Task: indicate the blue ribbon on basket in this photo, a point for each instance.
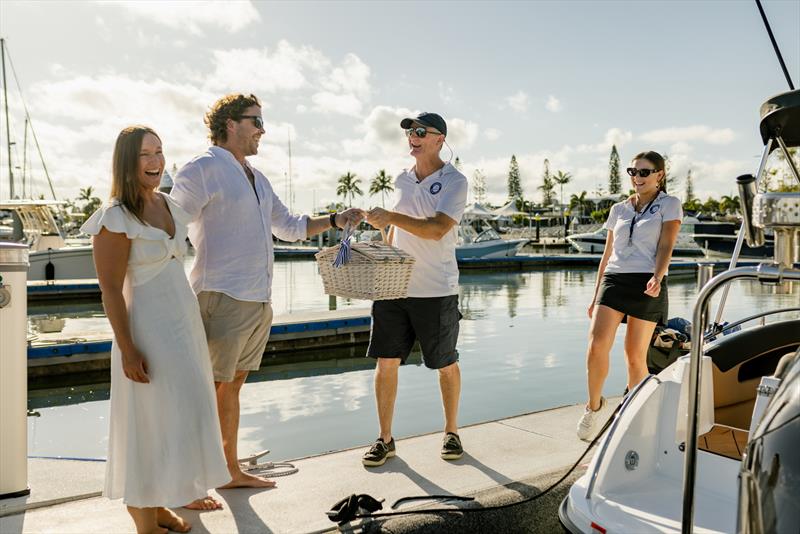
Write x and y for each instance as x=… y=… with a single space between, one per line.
x=343 y=255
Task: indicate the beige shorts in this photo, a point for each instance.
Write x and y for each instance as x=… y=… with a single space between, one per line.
x=237 y=333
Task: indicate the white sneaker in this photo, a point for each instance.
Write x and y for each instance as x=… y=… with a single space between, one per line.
x=591 y=421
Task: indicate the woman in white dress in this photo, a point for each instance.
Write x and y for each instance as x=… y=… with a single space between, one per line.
x=165 y=448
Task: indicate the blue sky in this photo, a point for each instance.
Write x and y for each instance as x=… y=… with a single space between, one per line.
x=557 y=80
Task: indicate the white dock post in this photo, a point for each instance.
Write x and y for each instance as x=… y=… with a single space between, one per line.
x=13 y=370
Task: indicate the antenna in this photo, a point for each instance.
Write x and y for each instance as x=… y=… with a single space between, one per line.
x=8 y=127
x=25 y=157
x=775 y=45
x=291 y=191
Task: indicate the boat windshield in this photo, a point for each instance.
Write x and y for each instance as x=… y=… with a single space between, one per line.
x=487 y=235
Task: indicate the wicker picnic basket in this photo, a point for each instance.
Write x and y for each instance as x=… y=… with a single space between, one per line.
x=375 y=271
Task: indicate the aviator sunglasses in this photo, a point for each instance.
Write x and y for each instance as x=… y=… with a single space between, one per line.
x=420 y=132
x=258 y=121
x=644 y=173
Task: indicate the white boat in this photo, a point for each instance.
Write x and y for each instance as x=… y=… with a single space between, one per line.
x=485 y=245
x=594 y=242
x=51 y=258
x=688 y=450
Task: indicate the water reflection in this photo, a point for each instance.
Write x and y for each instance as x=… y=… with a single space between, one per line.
x=522 y=347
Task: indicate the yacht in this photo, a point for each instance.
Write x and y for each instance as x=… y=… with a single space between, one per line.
x=595 y=242
x=485 y=245
x=710 y=443
x=51 y=257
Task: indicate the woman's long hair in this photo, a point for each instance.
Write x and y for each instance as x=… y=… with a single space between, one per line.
x=658 y=162
x=125 y=188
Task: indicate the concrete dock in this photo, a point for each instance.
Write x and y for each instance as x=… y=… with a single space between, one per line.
x=53 y=354
x=504 y=461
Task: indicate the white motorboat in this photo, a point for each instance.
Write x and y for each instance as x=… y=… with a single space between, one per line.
x=671 y=457
x=51 y=258
x=595 y=242
x=485 y=245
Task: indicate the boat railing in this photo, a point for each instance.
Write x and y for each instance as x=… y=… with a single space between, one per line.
x=765 y=273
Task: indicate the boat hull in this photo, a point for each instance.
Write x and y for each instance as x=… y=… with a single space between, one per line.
x=498 y=248
x=70 y=263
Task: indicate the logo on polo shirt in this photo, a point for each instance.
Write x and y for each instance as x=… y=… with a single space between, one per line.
x=435 y=187
x=654 y=209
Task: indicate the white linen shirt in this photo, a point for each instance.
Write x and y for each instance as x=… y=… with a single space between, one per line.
x=639 y=256
x=435 y=272
x=231 y=225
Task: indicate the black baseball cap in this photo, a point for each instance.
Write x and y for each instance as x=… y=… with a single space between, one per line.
x=434 y=120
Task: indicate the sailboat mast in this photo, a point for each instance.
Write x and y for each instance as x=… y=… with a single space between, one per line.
x=25 y=158
x=8 y=127
x=291 y=191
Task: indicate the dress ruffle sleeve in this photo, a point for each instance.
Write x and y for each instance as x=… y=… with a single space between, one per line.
x=114 y=218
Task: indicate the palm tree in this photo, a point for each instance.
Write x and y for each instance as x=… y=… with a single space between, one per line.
x=86 y=193
x=381 y=183
x=348 y=186
x=562 y=178
x=578 y=202
x=729 y=204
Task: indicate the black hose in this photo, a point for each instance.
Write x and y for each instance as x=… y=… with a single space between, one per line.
x=500 y=506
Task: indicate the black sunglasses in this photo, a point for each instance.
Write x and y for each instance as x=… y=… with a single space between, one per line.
x=258 y=121
x=644 y=173
x=420 y=132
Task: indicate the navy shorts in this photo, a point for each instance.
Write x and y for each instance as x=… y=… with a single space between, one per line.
x=397 y=323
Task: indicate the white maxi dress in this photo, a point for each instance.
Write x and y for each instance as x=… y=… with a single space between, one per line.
x=165 y=447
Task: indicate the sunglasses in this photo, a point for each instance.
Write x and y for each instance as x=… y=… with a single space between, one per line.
x=420 y=132
x=258 y=121
x=644 y=173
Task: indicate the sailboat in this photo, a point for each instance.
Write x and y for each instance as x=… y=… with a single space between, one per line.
x=33 y=222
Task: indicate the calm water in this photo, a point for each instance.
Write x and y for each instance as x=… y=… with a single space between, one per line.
x=522 y=347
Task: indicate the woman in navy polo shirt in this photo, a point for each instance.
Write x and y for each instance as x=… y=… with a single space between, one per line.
x=631 y=281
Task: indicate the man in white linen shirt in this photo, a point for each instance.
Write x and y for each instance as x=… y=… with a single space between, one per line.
x=235 y=212
x=430 y=202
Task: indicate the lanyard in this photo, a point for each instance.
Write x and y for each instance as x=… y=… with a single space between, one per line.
x=635 y=213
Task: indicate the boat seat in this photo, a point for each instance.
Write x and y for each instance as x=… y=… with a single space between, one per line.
x=736 y=348
x=740 y=360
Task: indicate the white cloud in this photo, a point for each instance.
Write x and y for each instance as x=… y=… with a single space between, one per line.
x=518 y=101
x=351 y=77
x=614 y=136
x=553 y=104
x=345 y=104
x=492 y=134
x=718 y=136
x=192 y=16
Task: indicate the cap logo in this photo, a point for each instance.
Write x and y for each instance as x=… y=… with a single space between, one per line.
x=435 y=187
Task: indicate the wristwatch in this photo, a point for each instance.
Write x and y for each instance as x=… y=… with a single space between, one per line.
x=332 y=219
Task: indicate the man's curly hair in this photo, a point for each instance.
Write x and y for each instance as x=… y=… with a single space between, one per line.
x=228 y=107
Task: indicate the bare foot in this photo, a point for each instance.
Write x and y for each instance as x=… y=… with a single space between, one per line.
x=206 y=503
x=168 y=519
x=244 y=480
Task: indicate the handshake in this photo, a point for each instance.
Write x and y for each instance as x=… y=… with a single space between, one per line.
x=377 y=217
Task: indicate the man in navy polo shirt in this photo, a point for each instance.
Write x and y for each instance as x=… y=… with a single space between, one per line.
x=431 y=200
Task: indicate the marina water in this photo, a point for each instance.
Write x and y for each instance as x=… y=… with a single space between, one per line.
x=522 y=347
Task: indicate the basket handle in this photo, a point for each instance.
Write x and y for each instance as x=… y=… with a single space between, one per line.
x=383 y=236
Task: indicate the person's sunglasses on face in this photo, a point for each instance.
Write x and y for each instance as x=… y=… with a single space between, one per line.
x=257 y=121
x=420 y=132
x=644 y=173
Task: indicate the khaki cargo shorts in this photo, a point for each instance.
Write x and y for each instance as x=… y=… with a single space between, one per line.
x=237 y=332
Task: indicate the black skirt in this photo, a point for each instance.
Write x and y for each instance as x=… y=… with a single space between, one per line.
x=624 y=292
